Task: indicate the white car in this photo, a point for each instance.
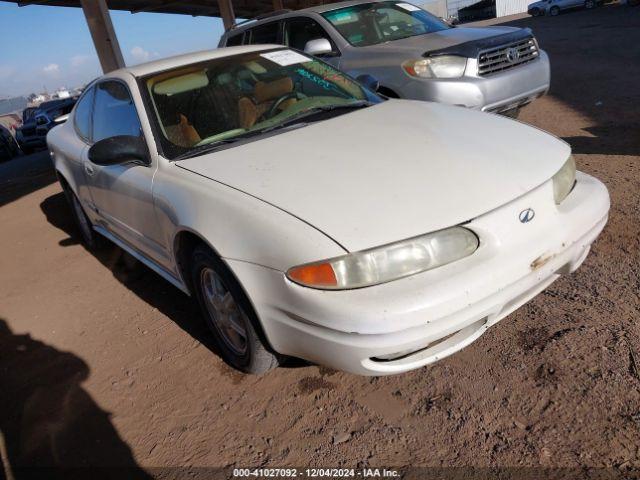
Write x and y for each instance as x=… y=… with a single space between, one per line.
x=312 y=218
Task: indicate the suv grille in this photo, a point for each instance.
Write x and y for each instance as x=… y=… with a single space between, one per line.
x=507 y=56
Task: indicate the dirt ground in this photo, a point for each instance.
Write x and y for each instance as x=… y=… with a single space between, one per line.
x=103 y=365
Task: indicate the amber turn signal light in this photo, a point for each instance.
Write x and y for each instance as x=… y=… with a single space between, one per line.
x=315 y=275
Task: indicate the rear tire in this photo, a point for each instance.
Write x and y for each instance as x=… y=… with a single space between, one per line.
x=589 y=4
x=229 y=315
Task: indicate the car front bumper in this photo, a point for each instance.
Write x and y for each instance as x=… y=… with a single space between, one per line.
x=426 y=317
x=494 y=93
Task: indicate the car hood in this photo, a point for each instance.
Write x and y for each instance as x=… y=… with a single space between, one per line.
x=392 y=171
x=442 y=40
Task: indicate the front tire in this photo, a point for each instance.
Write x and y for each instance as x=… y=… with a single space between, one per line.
x=589 y=4
x=90 y=238
x=229 y=315
x=554 y=11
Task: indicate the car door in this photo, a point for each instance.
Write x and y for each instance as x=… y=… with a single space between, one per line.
x=300 y=30
x=121 y=194
x=75 y=149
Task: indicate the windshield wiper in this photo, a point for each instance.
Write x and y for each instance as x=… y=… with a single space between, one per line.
x=209 y=147
x=316 y=110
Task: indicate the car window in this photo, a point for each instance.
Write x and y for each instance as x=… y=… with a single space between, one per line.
x=267 y=33
x=235 y=40
x=380 y=22
x=82 y=117
x=114 y=112
x=299 y=31
x=235 y=96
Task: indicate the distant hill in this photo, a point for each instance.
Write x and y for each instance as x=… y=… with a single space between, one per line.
x=10 y=105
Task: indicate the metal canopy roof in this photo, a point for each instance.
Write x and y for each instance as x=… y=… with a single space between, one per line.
x=209 y=8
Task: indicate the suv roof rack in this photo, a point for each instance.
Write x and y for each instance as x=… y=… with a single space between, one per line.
x=261 y=17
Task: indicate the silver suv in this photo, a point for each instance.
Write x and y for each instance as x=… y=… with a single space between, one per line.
x=410 y=53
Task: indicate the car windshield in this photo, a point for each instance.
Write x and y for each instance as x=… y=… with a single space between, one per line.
x=231 y=98
x=380 y=22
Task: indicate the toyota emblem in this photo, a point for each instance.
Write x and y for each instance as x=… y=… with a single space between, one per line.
x=513 y=54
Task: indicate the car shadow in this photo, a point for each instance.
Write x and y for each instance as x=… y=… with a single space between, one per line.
x=139 y=279
x=50 y=425
x=616 y=139
x=588 y=50
x=25 y=174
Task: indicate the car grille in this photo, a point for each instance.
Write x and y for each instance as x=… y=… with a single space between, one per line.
x=507 y=56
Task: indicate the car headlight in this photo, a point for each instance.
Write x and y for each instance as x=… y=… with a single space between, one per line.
x=442 y=66
x=564 y=180
x=387 y=263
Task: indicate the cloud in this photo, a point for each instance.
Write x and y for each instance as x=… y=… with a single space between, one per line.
x=140 y=55
x=52 y=69
x=78 y=60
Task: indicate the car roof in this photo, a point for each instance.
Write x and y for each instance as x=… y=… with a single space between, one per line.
x=190 y=58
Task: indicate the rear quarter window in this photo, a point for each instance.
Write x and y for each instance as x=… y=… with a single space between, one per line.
x=234 y=40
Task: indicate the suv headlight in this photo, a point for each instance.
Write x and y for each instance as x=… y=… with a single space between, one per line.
x=387 y=263
x=564 y=180
x=442 y=66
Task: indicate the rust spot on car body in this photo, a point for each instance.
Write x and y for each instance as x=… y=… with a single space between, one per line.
x=540 y=262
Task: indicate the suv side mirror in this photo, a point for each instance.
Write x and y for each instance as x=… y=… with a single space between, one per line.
x=320 y=46
x=369 y=81
x=120 y=149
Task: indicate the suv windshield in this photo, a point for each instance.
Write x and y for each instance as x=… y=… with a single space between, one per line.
x=228 y=99
x=380 y=22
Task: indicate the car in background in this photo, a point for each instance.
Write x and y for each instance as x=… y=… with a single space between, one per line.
x=37 y=122
x=310 y=217
x=411 y=53
x=8 y=145
x=554 y=7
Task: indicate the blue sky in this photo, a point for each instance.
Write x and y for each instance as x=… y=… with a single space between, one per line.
x=51 y=46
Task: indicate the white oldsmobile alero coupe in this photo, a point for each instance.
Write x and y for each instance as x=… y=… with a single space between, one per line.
x=312 y=218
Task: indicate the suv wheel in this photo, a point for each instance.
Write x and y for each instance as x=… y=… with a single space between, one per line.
x=229 y=315
x=554 y=11
x=589 y=4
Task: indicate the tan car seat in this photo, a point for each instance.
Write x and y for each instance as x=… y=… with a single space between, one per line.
x=249 y=111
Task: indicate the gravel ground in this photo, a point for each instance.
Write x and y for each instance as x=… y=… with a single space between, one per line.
x=104 y=365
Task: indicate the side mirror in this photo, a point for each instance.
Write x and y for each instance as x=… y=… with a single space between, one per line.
x=61 y=119
x=118 y=150
x=320 y=46
x=369 y=81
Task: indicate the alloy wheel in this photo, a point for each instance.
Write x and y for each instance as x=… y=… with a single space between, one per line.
x=225 y=314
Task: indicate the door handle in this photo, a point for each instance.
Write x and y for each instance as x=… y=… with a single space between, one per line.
x=89 y=169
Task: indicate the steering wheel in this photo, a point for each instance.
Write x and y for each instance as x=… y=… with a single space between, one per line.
x=273 y=111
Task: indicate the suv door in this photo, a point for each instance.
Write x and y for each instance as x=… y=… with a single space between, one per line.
x=300 y=30
x=122 y=194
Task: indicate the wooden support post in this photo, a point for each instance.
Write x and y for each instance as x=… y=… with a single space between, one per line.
x=103 y=34
x=227 y=13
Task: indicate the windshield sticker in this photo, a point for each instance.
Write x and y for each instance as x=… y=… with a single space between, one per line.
x=284 y=58
x=408 y=7
x=315 y=79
